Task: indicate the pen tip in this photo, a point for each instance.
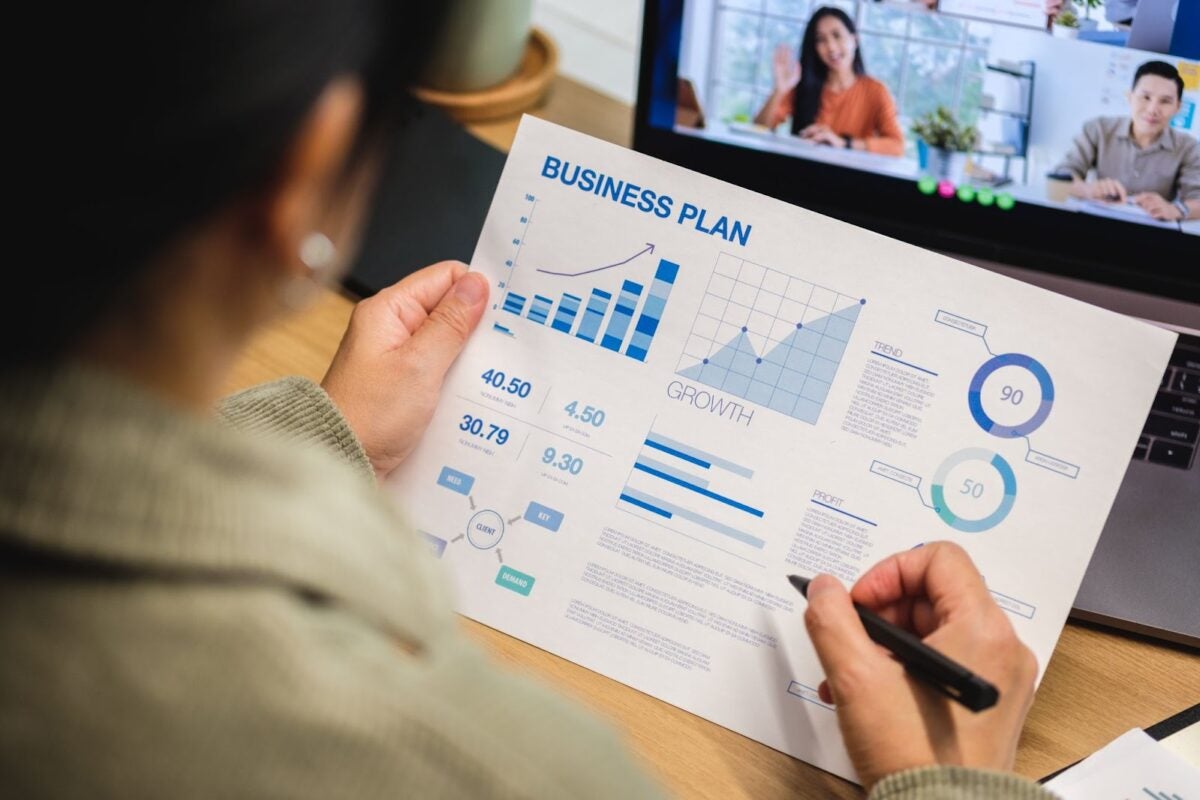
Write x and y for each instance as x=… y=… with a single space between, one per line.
x=801 y=584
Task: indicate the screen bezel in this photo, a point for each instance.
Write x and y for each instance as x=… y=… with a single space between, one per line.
x=1126 y=255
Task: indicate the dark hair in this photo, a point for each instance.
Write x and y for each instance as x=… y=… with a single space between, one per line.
x=1163 y=70
x=165 y=113
x=813 y=71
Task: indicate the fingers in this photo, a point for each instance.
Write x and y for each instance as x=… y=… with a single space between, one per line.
x=440 y=338
x=838 y=636
x=409 y=301
x=1154 y=204
x=1114 y=189
x=1110 y=190
x=414 y=296
x=940 y=573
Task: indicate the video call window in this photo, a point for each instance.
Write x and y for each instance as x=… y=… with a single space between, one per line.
x=926 y=60
x=999 y=95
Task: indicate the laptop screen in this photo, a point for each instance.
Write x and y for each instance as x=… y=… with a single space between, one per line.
x=1046 y=133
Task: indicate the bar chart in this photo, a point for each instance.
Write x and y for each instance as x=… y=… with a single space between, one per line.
x=613 y=324
x=770 y=338
x=694 y=492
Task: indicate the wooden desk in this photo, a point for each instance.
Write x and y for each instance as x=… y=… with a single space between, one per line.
x=1097 y=686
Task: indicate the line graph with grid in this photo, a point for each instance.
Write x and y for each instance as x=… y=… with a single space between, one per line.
x=769 y=338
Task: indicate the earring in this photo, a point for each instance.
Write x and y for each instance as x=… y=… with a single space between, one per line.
x=318 y=254
x=317 y=251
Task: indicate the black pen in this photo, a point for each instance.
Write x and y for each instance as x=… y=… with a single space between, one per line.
x=922 y=661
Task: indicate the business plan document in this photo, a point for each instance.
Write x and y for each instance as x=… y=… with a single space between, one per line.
x=1132 y=766
x=682 y=391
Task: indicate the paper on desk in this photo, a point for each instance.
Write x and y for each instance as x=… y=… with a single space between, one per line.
x=1130 y=212
x=1131 y=767
x=683 y=391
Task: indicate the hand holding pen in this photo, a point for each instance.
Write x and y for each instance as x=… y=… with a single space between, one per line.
x=892 y=721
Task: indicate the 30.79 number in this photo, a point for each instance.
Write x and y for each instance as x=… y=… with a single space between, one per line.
x=484 y=430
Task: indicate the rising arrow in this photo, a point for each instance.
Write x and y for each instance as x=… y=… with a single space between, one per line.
x=649 y=248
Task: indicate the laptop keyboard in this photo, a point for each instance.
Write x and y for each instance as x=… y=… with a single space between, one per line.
x=1173 y=427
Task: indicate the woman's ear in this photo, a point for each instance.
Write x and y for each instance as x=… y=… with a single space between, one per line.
x=296 y=203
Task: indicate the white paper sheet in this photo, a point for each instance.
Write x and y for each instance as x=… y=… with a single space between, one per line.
x=673 y=403
x=1131 y=767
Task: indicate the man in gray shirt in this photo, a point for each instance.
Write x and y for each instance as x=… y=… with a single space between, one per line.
x=1140 y=158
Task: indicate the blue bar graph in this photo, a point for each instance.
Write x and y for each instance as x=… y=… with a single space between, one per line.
x=695 y=455
x=539 y=309
x=593 y=315
x=652 y=310
x=678 y=473
x=729 y=501
x=623 y=321
x=682 y=486
x=670 y=510
x=614 y=334
x=568 y=306
x=514 y=303
x=632 y=496
x=496 y=326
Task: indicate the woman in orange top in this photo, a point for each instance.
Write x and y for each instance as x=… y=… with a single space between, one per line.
x=828 y=94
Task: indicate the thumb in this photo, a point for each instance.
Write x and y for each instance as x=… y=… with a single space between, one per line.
x=837 y=634
x=442 y=334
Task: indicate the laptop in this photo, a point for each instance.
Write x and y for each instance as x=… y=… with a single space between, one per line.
x=1145 y=574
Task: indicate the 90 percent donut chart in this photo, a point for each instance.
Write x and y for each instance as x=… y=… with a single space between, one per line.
x=1021 y=376
x=1010 y=396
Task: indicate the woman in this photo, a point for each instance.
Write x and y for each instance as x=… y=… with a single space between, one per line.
x=214 y=600
x=827 y=93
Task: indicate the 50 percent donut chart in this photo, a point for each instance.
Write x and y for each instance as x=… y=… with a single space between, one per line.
x=974 y=490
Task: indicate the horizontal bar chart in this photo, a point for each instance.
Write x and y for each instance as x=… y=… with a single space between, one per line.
x=679 y=485
x=670 y=510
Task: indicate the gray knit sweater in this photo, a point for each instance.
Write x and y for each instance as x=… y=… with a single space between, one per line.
x=202 y=608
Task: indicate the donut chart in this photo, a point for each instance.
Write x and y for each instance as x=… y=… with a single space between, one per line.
x=994 y=462
x=975 y=398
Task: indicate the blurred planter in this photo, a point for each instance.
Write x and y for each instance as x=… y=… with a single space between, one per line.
x=942 y=164
x=481 y=45
x=488 y=63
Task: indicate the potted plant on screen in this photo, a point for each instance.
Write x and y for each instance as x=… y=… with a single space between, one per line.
x=1066 y=24
x=945 y=144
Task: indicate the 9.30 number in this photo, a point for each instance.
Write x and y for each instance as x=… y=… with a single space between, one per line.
x=564 y=461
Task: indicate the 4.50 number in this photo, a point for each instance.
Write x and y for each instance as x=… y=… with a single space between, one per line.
x=590 y=415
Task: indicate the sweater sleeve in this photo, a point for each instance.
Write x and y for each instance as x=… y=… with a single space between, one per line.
x=300 y=410
x=957 y=783
x=888 y=137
